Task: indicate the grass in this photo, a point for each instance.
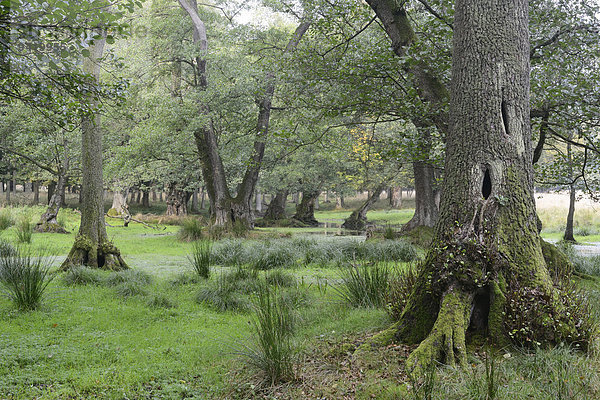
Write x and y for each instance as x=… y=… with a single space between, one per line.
x=364 y=285
x=201 y=258
x=87 y=341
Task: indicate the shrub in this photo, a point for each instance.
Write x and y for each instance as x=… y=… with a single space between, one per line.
x=130 y=288
x=401 y=285
x=222 y=296
x=280 y=278
x=271 y=351
x=191 y=230
x=160 y=301
x=201 y=258
x=133 y=276
x=24 y=230
x=81 y=275
x=364 y=285
x=24 y=278
x=6 y=220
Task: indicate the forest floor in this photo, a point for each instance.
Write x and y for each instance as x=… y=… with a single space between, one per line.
x=150 y=338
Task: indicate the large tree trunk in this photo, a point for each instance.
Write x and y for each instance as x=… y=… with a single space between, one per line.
x=48 y=221
x=226 y=209
x=305 y=210
x=358 y=219
x=395 y=197
x=177 y=200
x=119 y=205
x=276 y=209
x=426 y=209
x=486 y=240
x=92 y=247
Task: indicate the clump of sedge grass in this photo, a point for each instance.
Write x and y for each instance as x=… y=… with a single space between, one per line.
x=364 y=285
x=201 y=258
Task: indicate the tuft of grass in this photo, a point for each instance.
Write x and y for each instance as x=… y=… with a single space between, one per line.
x=201 y=258
x=131 y=276
x=191 y=229
x=6 y=249
x=184 y=278
x=401 y=285
x=130 y=288
x=6 y=220
x=274 y=256
x=280 y=278
x=389 y=232
x=81 y=275
x=24 y=278
x=230 y=252
x=24 y=229
x=364 y=285
x=222 y=296
x=271 y=351
x=160 y=301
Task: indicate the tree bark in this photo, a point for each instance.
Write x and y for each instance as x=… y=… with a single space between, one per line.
x=276 y=209
x=395 y=197
x=568 y=236
x=305 y=210
x=146 y=198
x=36 y=193
x=177 y=200
x=358 y=219
x=339 y=201
x=486 y=239
x=92 y=247
x=48 y=221
x=426 y=209
x=258 y=201
x=119 y=205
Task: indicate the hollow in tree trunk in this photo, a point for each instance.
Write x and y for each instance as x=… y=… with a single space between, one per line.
x=486 y=240
x=358 y=219
x=305 y=210
x=276 y=209
x=92 y=247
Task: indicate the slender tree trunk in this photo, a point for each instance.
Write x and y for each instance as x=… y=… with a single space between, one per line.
x=146 y=198
x=92 y=247
x=358 y=219
x=276 y=209
x=258 y=201
x=486 y=240
x=48 y=221
x=36 y=192
x=426 y=209
x=339 y=201
x=195 y=201
x=305 y=210
x=568 y=236
x=202 y=198
x=177 y=201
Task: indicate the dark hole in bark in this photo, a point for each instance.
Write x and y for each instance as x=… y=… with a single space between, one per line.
x=504 y=116
x=486 y=189
x=101 y=260
x=480 y=310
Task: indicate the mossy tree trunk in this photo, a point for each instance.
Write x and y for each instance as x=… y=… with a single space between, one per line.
x=305 y=210
x=358 y=219
x=487 y=236
x=92 y=247
x=276 y=209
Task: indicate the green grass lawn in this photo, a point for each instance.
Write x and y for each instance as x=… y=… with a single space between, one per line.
x=92 y=342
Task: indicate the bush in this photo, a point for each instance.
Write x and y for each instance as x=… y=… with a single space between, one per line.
x=201 y=258
x=280 y=278
x=135 y=277
x=5 y=220
x=401 y=286
x=24 y=278
x=160 y=301
x=222 y=296
x=271 y=352
x=81 y=275
x=24 y=230
x=192 y=229
x=364 y=285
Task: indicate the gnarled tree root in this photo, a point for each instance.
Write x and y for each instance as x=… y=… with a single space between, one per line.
x=446 y=341
x=49 y=227
x=104 y=255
